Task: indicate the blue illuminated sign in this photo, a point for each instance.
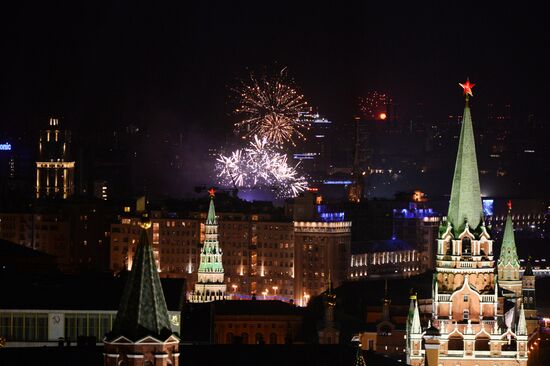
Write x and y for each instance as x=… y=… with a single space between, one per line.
x=488 y=207
x=337 y=182
x=5 y=147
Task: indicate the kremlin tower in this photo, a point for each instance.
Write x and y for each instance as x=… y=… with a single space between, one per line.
x=210 y=284
x=468 y=324
x=142 y=333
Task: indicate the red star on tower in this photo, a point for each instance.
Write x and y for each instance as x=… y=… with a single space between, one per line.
x=467 y=87
x=212 y=192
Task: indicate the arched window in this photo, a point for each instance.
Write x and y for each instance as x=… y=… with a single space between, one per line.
x=466 y=246
x=273 y=338
x=147 y=363
x=482 y=343
x=259 y=339
x=229 y=338
x=510 y=345
x=244 y=336
x=456 y=343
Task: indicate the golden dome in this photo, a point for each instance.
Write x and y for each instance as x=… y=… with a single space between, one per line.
x=145 y=222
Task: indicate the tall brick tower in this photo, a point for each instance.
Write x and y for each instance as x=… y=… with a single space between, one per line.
x=465 y=286
x=142 y=335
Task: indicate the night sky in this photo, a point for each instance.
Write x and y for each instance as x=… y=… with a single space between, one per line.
x=100 y=65
x=105 y=62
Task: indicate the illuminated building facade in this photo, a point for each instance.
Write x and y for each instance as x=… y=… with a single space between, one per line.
x=471 y=329
x=418 y=226
x=319 y=248
x=75 y=233
x=54 y=168
x=260 y=253
x=385 y=329
x=392 y=258
x=314 y=153
x=210 y=283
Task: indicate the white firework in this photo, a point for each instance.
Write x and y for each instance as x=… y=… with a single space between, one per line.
x=260 y=165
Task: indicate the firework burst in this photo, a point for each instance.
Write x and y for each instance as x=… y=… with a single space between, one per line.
x=270 y=108
x=259 y=165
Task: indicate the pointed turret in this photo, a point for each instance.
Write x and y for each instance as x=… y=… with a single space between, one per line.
x=508 y=252
x=410 y=314
x=522 y=324
x=329 y=332
x=142 y=310
x=211 y=218
x=359 y=359
x=528 y=268
x=416 y=327
x=465 y=204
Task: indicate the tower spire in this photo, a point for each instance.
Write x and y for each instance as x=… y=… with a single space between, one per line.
x=465 y=204
x=522 y=324
x=142 y=310
x=508 y=252
x=211 y=218
x=416 y=327
x=142 y=330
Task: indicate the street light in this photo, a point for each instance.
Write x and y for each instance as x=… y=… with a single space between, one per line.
x=234 y=288
x=275 y=288
x=306 y=296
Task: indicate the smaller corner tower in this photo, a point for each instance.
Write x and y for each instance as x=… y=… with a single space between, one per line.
x=329 y=332
x=528 y=300
x=508 y=262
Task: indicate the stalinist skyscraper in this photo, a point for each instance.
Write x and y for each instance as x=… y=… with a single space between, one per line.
x=470 y=325
x=54 y=168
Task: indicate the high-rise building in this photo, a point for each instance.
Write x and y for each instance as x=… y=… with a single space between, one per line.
x=313 y=153
x=210 y=284
x=55 y=167
x=319 y=248
x=465 y=307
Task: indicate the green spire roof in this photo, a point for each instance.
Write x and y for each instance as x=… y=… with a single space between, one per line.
x=211 y=219
x=465 y=204
x=359 y=360
x=522 y=324
x=508 y=252
x=211 y=254
x=142 y=310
